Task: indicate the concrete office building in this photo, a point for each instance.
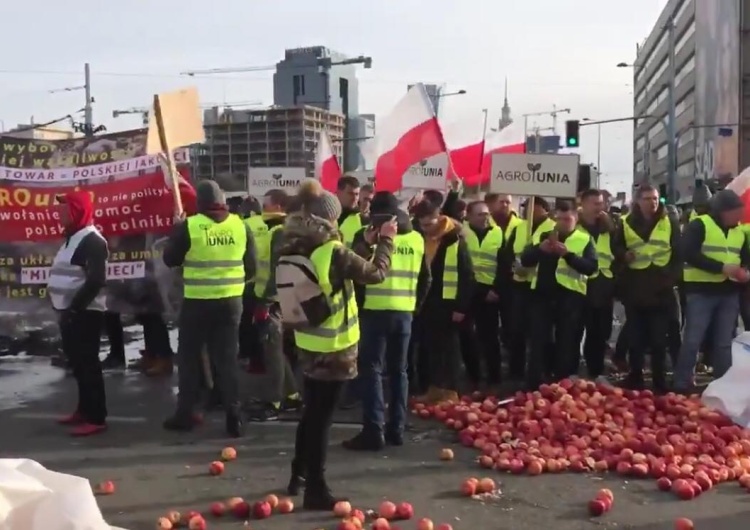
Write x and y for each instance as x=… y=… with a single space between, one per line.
x=277 y=137
x=712 y=95
x=433 y=94
x=363 y=127
x=306 y=77
x=34 y=132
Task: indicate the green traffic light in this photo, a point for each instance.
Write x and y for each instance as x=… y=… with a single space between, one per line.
x=663 y=200
x=572 y=142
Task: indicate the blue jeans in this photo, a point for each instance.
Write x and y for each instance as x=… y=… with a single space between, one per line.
x=384 y=345
x=704 y=312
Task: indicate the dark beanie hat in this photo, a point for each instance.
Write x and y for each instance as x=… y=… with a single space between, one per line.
x=538 y=201
x=384 y=202
x=208 y=194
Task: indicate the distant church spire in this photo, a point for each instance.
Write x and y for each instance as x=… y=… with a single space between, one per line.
x=505 y=118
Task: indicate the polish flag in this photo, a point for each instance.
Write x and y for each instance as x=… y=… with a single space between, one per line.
x=465 y=142
x=327 y=168
x=410 y=147
x=508 y=140
x=741 y=186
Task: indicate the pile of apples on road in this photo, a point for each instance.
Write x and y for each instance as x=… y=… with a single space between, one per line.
x=581 y=426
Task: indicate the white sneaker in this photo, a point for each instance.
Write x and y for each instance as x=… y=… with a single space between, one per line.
x=602 y=380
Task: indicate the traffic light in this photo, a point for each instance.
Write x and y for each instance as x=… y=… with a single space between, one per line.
x=571 y=133
x=663 y=193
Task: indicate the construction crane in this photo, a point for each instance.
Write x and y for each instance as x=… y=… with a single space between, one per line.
x=323 y=62
x=143 y=111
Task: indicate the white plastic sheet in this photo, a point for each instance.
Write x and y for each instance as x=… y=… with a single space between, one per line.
x=35 y=498
x=730 y=394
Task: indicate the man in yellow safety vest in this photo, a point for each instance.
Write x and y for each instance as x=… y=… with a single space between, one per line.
x=563 y=258
x=716 y=258
x=351 y=219
x=648 y=242
x=485 y=243
x=386 y=314
x=521 y=285
x=217 y=254
x=281 y=386
x=599 y=307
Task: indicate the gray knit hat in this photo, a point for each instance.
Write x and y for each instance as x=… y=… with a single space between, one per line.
x=208 y=194
x=314 y=200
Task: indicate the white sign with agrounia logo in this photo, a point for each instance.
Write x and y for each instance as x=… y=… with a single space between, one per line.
x=261 y=180
x=530 y=174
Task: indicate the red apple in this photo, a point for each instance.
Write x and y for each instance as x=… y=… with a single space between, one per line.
x=261 y=510
x=218 y=509
x=216 y=467
x=286 y=506
x=387 y=510
x=404 y=511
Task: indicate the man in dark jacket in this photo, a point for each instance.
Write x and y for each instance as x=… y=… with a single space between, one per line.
x=386 y=313
x=598 y=310
x=217 y=253
x=564 y=260
x=447 y=303
x=647 y=241
x=716 y=256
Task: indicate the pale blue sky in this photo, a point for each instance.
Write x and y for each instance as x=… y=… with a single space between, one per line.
x=560 y=52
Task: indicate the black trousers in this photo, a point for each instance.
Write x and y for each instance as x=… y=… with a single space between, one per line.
x=519 y=329
x=554 y=336
x=155 y=335
x=480 y=341
x=81 y=337
x=440 y=348
x=597 y=324
x=115 y=335
x=313 y=429
x=250 y=343
x=417 y=369
x=648 y=329
x=211 y=326
x=505 y=306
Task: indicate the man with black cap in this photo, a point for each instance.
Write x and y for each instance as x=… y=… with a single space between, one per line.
x=716 y=259
x=519 y=238
x=385 y=322
x=217 y=253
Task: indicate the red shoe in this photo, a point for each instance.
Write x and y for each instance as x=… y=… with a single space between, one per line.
x=88 y=429
x=73 y=419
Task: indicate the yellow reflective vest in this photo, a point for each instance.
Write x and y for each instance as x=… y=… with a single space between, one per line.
x=263 y=259
x=214 y=266
x=258 y=227
x=717 y=246
x=341 y=329
x=398 y=292
x=566 y=277
x=351 y=225
x=512 y=223
x=604 y=255
x=484 y=254
x=520 y=242
x=450 y=272
x=656 y=251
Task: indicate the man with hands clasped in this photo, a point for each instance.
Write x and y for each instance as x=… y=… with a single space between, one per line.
x=716 y=257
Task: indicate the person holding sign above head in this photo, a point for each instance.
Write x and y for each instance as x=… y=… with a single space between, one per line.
x=217 y=253
x=76 y=289
x=485 y=243
x=522 y=277
x=563 y=258
x=351 y=219
x=648 y=241
x=716 y=258
x=386 y=314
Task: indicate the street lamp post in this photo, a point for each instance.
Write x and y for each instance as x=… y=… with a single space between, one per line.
x=440 y=95
x=598 y=144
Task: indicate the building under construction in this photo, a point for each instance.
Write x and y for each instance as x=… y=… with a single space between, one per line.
x=276 y=137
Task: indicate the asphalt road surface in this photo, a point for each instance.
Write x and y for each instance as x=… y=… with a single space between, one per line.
x=156 y=471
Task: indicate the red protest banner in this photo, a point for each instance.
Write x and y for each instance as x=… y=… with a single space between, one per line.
x=128 y=206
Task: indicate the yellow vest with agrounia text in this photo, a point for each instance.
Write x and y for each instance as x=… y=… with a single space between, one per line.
x=398 y=292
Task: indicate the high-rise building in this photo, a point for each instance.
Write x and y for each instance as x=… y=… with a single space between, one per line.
x=364 y=129
x=277 y=137
x=311 y=76
x=505 y=118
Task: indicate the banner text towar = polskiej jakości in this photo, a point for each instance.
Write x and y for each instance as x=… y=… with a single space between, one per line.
x=261 y=180
x=531 y=174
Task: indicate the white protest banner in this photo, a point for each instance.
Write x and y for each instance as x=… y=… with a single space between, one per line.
x=261 y=180
x=428 y=174
x=529 y=174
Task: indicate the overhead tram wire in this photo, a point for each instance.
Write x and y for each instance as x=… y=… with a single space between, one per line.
x=39 y=125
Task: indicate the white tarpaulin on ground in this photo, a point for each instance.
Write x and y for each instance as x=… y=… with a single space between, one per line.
x=35 y=498
x=730 y=394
